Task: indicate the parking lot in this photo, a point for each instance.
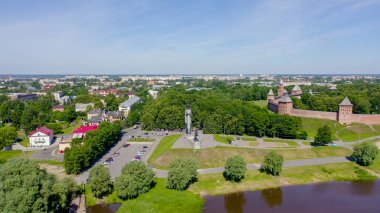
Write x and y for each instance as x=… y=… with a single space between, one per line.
x=126 y=154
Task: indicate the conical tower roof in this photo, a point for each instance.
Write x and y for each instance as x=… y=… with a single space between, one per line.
x=345 y=102
x=270 y=92
x=285 y=99
x=296 y=88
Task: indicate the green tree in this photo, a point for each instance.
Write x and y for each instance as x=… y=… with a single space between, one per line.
x=26 y=188
x=8 y=135
x=365 y=153
x=100 y=181
x=135 y=179
x=235 y=169
x=272 y=163
x=323 y=136
x=182 y=173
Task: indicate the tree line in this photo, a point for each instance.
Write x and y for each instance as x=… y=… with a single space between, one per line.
x=95 y=143
x=217 y=112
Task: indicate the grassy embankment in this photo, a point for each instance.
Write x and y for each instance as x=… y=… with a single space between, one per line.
x=223 y=139
x=158 y=199
x=216 y=184
x=282 y=143
x=349 y=133
x=164 y=146
x=216 y=157
x=6 y=155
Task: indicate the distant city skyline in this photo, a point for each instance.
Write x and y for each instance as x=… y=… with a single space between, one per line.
x=189 y=37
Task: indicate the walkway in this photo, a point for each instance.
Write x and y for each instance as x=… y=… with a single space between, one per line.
x=287 y=164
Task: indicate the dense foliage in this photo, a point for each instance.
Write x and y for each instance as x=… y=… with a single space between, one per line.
x=8 y=135
x=235 y=169
x=26 y=188
x=272 y=163
x=135 y=179
x=182 y=173
x=365 y=153
x=216 y=112
x=100 y=181
x=363 y=95
x=95 y=144
x=323 y=137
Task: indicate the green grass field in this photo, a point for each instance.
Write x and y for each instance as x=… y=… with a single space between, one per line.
x=6 y=155
x=261 y=103
x=24 y=142
x=216 y=157
x=162 y=200
x=223 y=139
x=356 y=132
x=165 y=144
x=248 y=139
x=141 y=140
x=216 y=184
x=311 y=125
x=274 y=140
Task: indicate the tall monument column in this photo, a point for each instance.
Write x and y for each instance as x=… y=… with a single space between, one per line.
x=188 y=120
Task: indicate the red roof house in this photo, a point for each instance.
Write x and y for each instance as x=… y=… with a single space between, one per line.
x=43 y=129
x=82 y=130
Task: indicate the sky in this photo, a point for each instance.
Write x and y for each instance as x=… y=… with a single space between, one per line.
x=190 y=37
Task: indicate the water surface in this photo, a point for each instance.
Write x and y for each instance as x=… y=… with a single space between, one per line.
x=333 y=197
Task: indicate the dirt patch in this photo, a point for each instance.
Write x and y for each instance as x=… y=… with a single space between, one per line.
x=378 y=144
x=58 y=171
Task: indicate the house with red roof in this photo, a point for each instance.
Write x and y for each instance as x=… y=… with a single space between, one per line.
x=82 y=130
x=40 y=137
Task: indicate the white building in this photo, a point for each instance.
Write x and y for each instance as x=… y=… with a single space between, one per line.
x=126 y=106
x=153 y=93
x=41 y=137
x=83 y=107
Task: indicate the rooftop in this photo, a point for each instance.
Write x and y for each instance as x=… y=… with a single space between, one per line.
x=85 y=129
x=43 y=129
x=285 y=99
x=130 y=102
x=345 y=102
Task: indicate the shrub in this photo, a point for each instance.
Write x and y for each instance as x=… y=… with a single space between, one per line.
x=272 y=163
x=182 y=173
x=235 y=169
x=135 y=179
x=100 y=181
x=323 y=136
x=365 y=153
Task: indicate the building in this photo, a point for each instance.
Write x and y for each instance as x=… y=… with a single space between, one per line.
x=112 y=116
x=27 y=97
x=83 y=107
x=131 y=94
x=153 y=93
x=94 y=113
x=127 y=105
x=65 y=143
x=58 y=108
x=283 y=105
x=82 y=130
x=106 y=92
x=41 y=137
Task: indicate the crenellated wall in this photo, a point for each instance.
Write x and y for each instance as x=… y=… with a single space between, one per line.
x=314 y=114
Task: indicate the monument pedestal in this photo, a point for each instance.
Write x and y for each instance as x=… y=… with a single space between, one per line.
x=195 y=143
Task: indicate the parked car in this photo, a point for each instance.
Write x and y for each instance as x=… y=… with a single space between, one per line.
x=126 y=145
x=116 y=154
x=137 y=157
x=106 y=162
x=110 y=159
x=145 y=147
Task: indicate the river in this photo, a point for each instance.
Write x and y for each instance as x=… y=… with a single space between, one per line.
x=322 y=197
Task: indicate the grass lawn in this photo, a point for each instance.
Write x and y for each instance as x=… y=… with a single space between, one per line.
x=216 y=157
x=290 y=143
x=311 y=125
x=158 y=199
x=223 y=139
x=376 y=165
x=5 y=155
x=216 y=184
x=51 y=162
x=306 y=143
x=164 y=145
x=357 y=132
x=248 y=139
x=70 y=129
x=162 y=200
x=261 y=103
x=141 y=140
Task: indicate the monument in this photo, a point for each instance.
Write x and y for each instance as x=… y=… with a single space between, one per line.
x=188 y=119
x=194 y=140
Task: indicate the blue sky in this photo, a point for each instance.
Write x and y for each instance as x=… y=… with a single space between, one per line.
x=189 y=37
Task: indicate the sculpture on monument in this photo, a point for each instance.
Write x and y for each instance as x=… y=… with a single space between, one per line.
x=188 y=119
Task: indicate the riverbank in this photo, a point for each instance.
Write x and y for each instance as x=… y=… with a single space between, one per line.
x=215 y=184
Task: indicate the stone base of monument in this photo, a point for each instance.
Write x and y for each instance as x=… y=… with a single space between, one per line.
x=196 y=144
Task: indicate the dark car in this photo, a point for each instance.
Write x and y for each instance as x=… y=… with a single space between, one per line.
x=110 y=159
x=137 y=157
x=126 y=145
x=145 y=147
x=116 y=154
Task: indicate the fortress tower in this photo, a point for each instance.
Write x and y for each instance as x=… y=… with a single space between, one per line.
x=281 y=89
x=270 y=96
x=296 y=91
x=345 y=111
x=285 y=104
